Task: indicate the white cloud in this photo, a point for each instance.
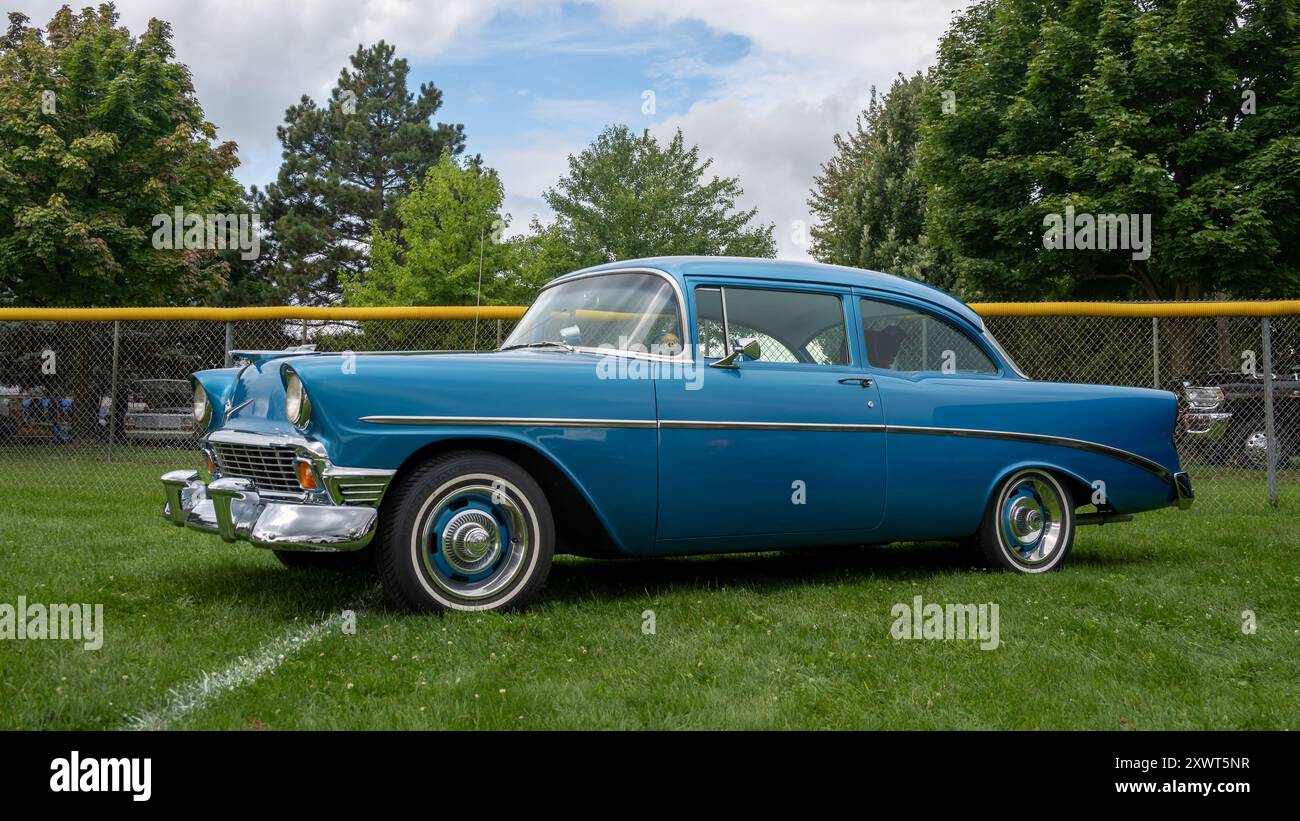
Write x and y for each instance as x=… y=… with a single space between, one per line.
x=772 y=114
x=251 y=60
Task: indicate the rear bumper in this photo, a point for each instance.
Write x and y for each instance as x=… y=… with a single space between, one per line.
x=1183 y=490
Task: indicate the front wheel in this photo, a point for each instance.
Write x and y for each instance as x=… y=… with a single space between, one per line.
x=1029 y=526
x=468 y=530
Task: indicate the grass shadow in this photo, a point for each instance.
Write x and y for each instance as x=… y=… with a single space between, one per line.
x=574 y=579
x=288 y=593
x=285 y=593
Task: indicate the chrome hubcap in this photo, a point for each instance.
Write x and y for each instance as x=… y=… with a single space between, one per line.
x=474 y=536
x=1032 y=519
x=471 y=541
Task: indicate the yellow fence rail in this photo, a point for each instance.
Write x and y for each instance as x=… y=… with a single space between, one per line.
x=1282 y=307
x=273 y=312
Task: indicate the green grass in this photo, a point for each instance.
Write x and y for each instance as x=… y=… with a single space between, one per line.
x=1141 y=630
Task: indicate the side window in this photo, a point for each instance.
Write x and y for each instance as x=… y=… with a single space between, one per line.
x=904 y=339
x=790 y=326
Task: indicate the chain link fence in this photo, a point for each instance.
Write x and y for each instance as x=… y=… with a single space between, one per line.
x=1238 y=434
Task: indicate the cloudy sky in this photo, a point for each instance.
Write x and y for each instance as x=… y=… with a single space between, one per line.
x=761 y=86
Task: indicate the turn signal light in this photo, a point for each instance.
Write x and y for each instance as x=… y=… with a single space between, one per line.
x=306 y=476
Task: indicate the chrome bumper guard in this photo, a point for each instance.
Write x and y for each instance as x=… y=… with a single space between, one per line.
x=1183 y=490
x=233 y=509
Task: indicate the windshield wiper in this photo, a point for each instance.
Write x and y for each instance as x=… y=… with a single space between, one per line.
x=545 y=343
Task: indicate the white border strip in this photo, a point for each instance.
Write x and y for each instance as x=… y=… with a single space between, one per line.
x=196 y=695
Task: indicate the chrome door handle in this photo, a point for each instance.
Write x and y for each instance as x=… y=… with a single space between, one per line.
x=864 y=381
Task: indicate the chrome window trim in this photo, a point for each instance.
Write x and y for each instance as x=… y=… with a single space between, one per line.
x=677 y=294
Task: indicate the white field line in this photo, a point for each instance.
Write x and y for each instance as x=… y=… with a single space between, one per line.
x=197 y=694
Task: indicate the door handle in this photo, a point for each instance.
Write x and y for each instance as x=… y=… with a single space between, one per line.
x=864 y=381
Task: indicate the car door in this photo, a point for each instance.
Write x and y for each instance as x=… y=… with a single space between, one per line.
x=790 y=443
x=936 y=381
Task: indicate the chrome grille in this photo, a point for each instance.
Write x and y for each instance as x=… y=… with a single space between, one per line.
x=269 y=468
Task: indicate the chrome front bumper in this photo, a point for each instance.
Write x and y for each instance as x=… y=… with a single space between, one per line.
x=234 y=510
x=1207 y=426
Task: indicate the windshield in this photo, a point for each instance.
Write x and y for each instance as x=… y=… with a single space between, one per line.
x=629 y=312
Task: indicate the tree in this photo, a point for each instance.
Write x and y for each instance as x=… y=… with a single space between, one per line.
x=449 y=230
x=1184 y=110
x=627 y=196
x=101 y=132
x=446 y=224
x=868 y=199
x=345 y=166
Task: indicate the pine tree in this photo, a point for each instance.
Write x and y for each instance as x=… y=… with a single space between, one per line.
x=345 y=166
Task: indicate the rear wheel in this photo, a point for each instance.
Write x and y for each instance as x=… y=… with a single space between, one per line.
x=1029 y=525
x=468 y=530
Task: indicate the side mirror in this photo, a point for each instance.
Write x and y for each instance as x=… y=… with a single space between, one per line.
x=747 y=347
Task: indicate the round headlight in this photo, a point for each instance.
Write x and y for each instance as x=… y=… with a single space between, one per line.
x=202 y=407
x=296 y=405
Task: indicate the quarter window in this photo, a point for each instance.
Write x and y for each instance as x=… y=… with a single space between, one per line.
x=903 y=339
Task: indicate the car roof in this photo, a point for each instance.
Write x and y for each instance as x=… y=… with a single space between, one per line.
x=681 y=267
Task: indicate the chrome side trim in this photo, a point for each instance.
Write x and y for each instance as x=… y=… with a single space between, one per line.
x=679 y=424
x=801 y=426
x=1044 y=439
x=510 y=422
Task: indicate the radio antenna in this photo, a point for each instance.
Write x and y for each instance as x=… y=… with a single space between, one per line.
x=478 y=293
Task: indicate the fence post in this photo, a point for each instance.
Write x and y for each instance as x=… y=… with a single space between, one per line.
x=1270 y=431
x=112 y=390
x=1155 y=352
x=498 y=333
x=230 y=342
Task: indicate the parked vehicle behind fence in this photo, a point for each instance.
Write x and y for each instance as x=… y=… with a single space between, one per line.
x=1223 y=416
x=158 y=410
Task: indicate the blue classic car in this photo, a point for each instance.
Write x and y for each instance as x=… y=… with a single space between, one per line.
x=670 y=406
